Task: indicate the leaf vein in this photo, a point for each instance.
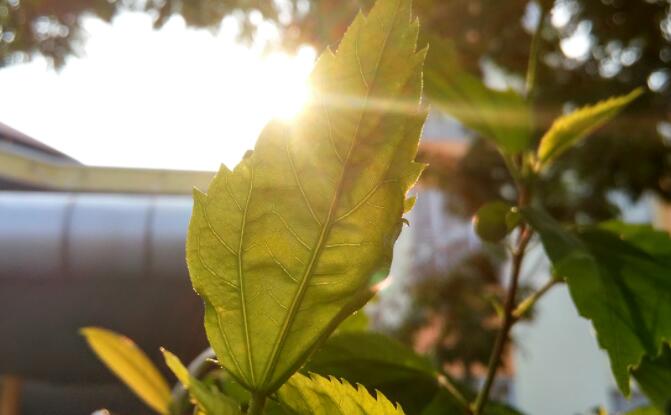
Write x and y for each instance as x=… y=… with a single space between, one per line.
x=300 y=185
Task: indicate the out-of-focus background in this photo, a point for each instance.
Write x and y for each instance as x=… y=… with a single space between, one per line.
x=112 y=111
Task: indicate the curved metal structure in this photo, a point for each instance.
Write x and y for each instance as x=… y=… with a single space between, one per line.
x=69 y=260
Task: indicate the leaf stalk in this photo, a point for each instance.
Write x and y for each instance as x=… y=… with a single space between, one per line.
x=526 y=304
x=257 y=404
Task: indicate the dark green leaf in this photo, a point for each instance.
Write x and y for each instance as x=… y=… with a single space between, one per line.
x=382 y=363
x=619 y=277
x=654 y=378
x=379 y=363
x=284 y=247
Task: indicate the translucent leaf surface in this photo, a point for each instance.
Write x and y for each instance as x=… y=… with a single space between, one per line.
x=501 y=116
x=208 y=401
x=571 y=128
x=318 y=395
x=619 y=277
x=131 y=365
x=284 y=247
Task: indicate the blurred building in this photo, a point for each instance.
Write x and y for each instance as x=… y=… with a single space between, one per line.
x=83 y=246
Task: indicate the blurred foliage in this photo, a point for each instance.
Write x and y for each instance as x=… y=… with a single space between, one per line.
x=628 y=45
x=453 y=316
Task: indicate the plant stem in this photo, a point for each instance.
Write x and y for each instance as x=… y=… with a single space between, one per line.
x=528 y=302
x=257 y=404
x=508 y=321
x=533 y=55
x=446 y=383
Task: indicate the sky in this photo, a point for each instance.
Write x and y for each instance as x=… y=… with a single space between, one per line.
x=176 y=98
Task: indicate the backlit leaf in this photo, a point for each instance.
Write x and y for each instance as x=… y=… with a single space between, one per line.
x=131 y=365
x=285 y=247
x=619 y=277
x=317 y=395
x=501 y=116
x=208 y=401
x=571 y=128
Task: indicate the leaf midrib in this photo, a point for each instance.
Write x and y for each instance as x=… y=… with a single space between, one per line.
x=329 y=222
x=243 y=302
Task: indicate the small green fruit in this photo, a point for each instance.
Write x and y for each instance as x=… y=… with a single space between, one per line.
x=493 y=221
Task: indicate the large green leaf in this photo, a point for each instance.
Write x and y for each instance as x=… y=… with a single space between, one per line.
x=317 y=395
x=571 y=128
x=501 y=116
x=619 y=277
x=131 y=365
x=284 y=247
x=208 y=401
x=654 y=378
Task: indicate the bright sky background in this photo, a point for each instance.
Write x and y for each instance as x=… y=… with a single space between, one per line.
x=175 y=98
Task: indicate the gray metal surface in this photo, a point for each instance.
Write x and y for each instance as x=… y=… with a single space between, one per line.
x=85 y=236
x=73 y=260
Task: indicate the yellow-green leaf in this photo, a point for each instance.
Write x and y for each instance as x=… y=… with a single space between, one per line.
x=208 y=401
x=501 y=116
x=131 y=365
x=571 y=128
x=284 y=247
x=317 y=395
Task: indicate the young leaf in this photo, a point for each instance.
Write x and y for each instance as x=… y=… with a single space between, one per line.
x=283 y=248
x=131 y=365
x=619 y=277
x=654 y=378
x=303 y=395
x=207 y=401
x=501 y=116
x=571 y=128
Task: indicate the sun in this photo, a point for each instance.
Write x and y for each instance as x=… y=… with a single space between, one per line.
x=284 y=89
